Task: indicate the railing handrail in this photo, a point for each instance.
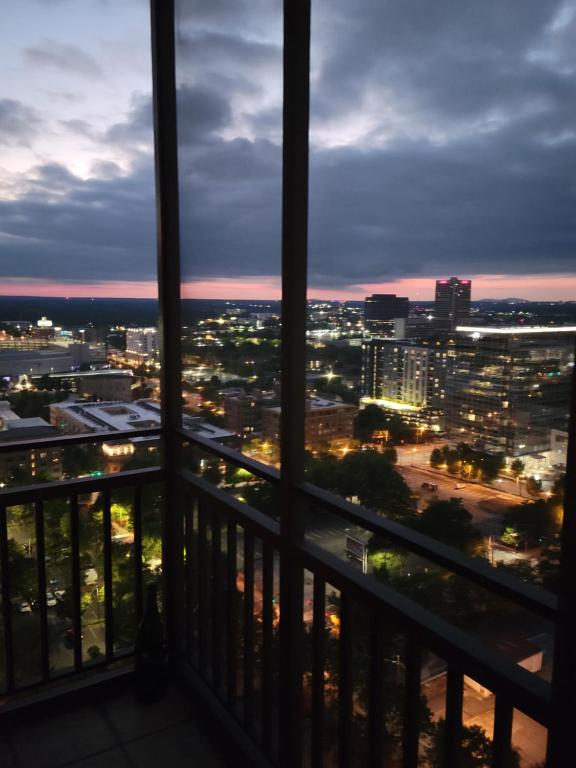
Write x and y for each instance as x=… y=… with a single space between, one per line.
x=529 y=596
x=78 y=486
x=500 y=675
x=263 y=471
x=85 y=437
x=491 y=669
x=259 y=523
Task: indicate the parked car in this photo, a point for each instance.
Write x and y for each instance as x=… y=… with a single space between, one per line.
x=50 y=600
x=459 y=486
x=25 y=607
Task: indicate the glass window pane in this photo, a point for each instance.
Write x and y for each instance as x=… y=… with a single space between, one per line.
x=229 y=78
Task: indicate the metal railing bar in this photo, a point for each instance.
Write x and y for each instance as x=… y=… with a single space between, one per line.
x=502 y=741
x=531 y=597
x=376 y=693
x=318 y=661
x=64 y=441
x=345 y=685
x=231 y=614
x=191 y=571
x=263 y=471
x=248 y=630
x=66 y=488
x=76 y=591
x=267 y=640
x=42 y=599
x=6 y=602
x=137 y=554
x=241 y=513
x=453 y=721
x=528 y=692
x=202 y=591
x=107 y=556
x=216 y=603
x=479 y=571
x=411 y=713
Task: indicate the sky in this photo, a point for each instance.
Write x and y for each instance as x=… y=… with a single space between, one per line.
x=442 y=143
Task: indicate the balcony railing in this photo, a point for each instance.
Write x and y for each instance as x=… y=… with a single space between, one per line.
x=355 y=704
x=29 y=615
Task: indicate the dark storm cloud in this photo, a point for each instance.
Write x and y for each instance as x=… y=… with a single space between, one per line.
x=18 y=123
x=66 y=57
x=75 y=229
x=464 y=160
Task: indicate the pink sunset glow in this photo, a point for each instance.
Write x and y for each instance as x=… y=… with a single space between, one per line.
x=535 y=287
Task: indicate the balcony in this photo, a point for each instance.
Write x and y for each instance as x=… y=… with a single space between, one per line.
x=296 y=655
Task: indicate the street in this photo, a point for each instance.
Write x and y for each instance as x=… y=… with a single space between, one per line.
x=484 y=504
x=528 y=737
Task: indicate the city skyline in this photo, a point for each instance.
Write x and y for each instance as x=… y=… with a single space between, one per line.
x=486 y=287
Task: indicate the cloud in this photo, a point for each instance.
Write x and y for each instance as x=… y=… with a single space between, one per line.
x=69 y=58
x=80 y=229
x=443 y=142
x=19 y=124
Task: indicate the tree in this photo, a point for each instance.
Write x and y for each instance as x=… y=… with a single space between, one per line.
x=23 y=574
x=80 y=460
x=533 y=486
x=436 y=458
x=534 y=521
x=517 y=468
x=450 y=522
x=475 y=749
x=369 y=420
x=372 y=477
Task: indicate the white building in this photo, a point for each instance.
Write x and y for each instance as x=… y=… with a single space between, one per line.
x=142 y=345
x=117 y=416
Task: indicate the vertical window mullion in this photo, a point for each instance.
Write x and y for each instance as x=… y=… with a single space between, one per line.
x=561 y=731
x=296 y=71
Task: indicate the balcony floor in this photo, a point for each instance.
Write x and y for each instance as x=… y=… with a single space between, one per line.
x=114 y=731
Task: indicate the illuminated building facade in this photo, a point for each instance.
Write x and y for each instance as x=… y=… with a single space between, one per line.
x=326 y=422
x=142 y=344
x=510 y=387
x=404 y=372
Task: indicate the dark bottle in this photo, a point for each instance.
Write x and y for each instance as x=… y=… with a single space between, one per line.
x=150 y=674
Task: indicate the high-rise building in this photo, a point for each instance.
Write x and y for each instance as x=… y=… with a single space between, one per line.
x=510 y=387
x=452 y=303
x=381 y=310
x=403 y=372
x=142 y=344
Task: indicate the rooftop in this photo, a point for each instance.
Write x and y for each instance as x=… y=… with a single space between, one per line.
x=514 y=330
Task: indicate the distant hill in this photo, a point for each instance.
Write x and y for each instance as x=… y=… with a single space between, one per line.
x=510 y=300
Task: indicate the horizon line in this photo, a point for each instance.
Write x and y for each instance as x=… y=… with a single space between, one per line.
x=260 y=299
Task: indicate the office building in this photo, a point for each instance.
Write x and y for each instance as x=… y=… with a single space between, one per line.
x=380 y=312
x=243 y=410
x=452 y=303
x=74 y=418
x=327 y=423
x=39 y=462
x=510 y=387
